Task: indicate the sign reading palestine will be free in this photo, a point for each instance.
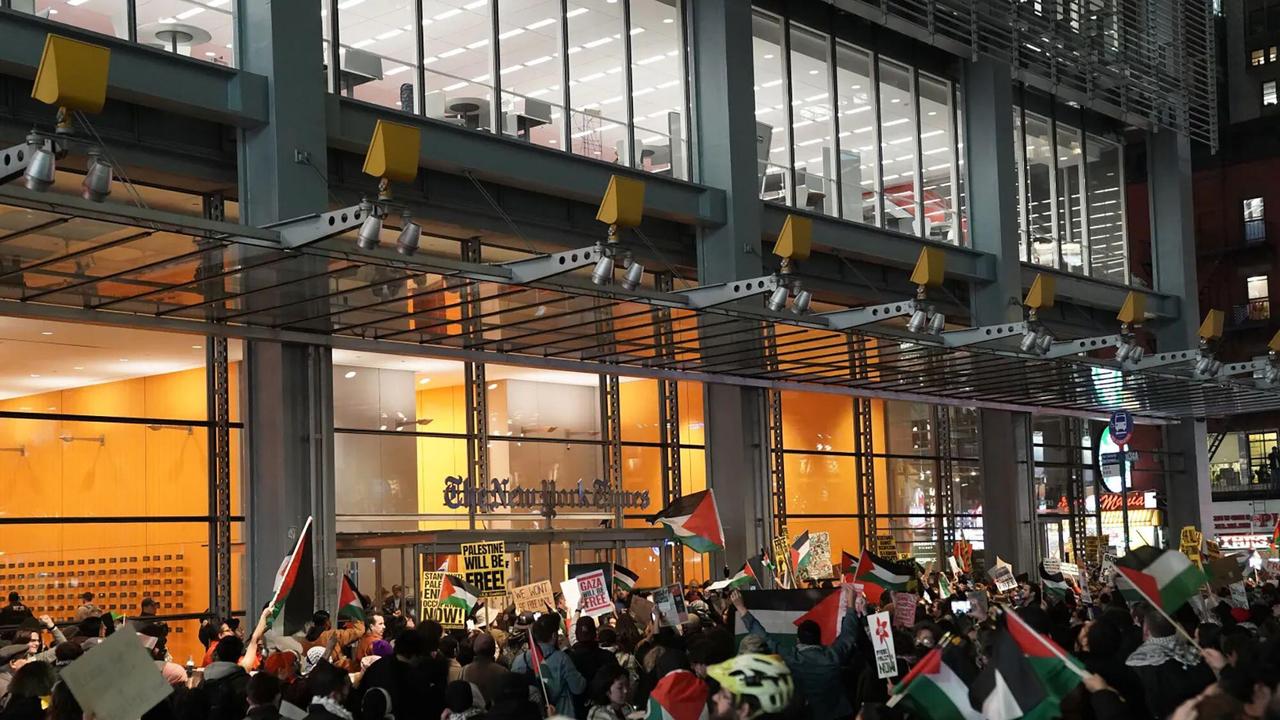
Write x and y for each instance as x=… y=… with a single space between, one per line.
x=484 y=567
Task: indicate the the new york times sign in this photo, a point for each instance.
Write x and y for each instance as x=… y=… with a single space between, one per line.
x=547 y=497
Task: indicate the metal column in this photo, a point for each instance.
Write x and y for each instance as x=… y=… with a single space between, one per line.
x=946 y=482
x=1075 y=485
x=669 y=416
x=864 y=446
x=477 y=386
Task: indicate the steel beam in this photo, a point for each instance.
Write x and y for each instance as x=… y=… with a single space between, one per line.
x=146 y=76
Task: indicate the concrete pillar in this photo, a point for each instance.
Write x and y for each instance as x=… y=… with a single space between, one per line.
x=282 y=173
x=736 y=469
x=993 y=228
x=1173 y=257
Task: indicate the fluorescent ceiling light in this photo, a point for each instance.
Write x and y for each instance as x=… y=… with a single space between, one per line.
x=217 y=3
x=348 y=4
x=189 y=13
x=478 y=44
x=645 y=91
x=451 y=52
x=397 y=70
x=512 y=69
x=667 y=84
x=540 y=24
x=447 y=14
x=598 y=43
x=511 y=33
x=538 y=60
x=771 y=83
x=476 y=5
x=592 y=76
x=363 y=43
x=637 y=30
x=931 y=133
x=388 y=34
x=455 y=86
x=432 y=59
x=575 y=12
x=899 y=121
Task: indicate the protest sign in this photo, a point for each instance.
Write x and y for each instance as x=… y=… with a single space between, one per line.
x=593 y=594
x=485 y=567
x=1239 y=598
x=118 y=680
x=783 y=572
x=1068 y=570
x=430 y=588
x=882 y=644
x=670 y=605
x=535 y=597
x=641 y=610
x=572 y=595
x=978 y=604
x=1189 y=544
x=1108 y=566
x=1053 y=566
x=449 y=616
x=886 y=546
x=819 y=565
x=904 y=609
x=1003 y=577
x=954 y=565
x=1224 y=571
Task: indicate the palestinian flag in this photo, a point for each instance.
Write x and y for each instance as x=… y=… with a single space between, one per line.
x=1059 y=673
x=878 y=575
x=1008 y=687
x=694 y=521
x=758 y=569
x=624 y=579
x=848 y=564
x=1055 y=586
x=349 y=605
x=801 y=552
x=944 y=586
x=294 y=600
x=679 y=695
x=937 y=688
x=828 y=613
x=457 y=593
x=1164 y=578
x=780 y=611
x=744 y=579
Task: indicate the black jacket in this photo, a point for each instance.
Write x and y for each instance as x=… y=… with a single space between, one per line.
x=588 y=658
x=417 y=691
x=320 y=712
x=1168 y=685
x=221 y=696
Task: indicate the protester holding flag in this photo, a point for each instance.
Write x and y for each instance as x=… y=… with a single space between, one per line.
x=1170 y=669
x=815 y=666
x=546 y=665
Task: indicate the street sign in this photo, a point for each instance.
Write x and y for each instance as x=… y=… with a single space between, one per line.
x=1121 y=427
x=1111 y=464
x=1131 y=456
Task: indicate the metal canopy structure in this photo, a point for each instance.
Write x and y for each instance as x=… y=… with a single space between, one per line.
x=116 y=260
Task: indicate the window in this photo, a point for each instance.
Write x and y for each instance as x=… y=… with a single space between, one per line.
x=1259 y=307
x=1253 y=209
x=1269 y=93
x=207 y=26
x=1108 y=258
x=536 y=47
x=1257 y=287
x=1039 y=191
x=1257 y=57
x=879 y=145
x=1271 y=54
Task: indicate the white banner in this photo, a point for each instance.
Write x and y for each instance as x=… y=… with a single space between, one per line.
x=880 y=627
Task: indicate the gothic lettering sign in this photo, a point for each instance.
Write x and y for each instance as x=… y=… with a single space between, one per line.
x=503 y=494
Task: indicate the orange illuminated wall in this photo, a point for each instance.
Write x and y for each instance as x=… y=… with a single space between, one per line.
x=439 y=458
x=54 y=469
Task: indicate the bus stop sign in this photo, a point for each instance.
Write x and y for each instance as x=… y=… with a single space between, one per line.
x=1121 y=427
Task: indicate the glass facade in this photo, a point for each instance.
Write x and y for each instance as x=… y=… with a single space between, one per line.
x=909 y=463
x=602 y=79
x=200 y=29
x=106 y=472
x=1070 y=198
x=845 y=132
x=401 y=433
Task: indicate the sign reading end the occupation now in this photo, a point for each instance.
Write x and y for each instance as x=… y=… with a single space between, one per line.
x=484 y=567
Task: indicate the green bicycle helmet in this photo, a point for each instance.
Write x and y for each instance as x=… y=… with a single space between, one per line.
x=763 y=677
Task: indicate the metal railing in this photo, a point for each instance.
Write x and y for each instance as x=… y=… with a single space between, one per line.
x=1257 y=310
x=1227 y=479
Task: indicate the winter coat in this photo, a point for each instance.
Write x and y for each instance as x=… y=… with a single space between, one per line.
x=817 y=669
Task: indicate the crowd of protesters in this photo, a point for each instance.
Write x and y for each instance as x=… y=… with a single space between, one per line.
x=1210 y=660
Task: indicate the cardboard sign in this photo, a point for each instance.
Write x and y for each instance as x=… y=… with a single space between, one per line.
x=484 y=567
x=430 y=589
x=641 y=610
x=1068 y=570
x=904 y=609
x=878 y=626
x=886 y=546
x=535 y=597
x=449 y=616
x=1190 y=540
x=670 y=605
x=819 y=566
x=1224 y=571
x=593 y=594
x=954 y=565
x=118 y=680
x=1003 y=577
x=1085 y=596
x=1053 y=566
